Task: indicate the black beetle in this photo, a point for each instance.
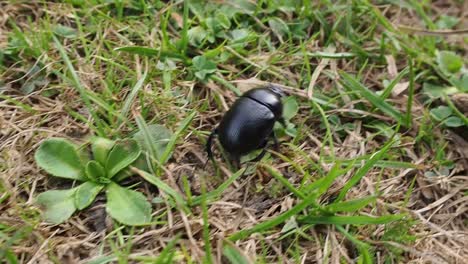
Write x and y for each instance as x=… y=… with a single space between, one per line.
x=248 y=124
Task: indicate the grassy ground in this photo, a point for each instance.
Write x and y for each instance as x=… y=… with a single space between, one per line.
x=372 y=167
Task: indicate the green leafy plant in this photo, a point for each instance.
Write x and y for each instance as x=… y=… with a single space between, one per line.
x=445 y=115
x=203 y=67
x=290 y=110
x=61 y=158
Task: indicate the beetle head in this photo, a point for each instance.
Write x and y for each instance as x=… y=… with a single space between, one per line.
x=276 y=90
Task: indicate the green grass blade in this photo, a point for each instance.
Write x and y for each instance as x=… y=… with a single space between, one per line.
x=162 y=186
x=143 y=127
x=275 y=221
x=277 y=175
x=167 y=253
x=131 y=97
x=351 y=83
x=350 y=206
x=324 y=183
x=388 y=90
x=351 y=220
x=364 y=248
x=13 y=101
x=172 y=142
x=218 y=191
x=184 y=41
x=409 y=105
x=233 y=254
x=364 y=169
x=81 y=89
x=329 y=134
x=206 y=225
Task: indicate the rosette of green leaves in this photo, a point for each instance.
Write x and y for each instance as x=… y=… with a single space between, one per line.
x=61 y=158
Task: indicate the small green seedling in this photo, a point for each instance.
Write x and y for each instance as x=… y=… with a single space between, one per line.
x=61 y=158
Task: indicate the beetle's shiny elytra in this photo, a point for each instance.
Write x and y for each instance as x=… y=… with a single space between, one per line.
x=248 y=124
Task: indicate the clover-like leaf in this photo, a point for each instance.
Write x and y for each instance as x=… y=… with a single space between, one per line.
x=441 y=112
x=122 y=154
x=86 y=193
x=60 y=158
x=453 y=121
x=58 y=205
x=278 y=26
x=203 y=67
x=127 y=206
x=101 y=148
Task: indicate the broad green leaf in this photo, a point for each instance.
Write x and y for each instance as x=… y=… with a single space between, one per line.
x=436 y=91
x=290 y=108
x=122 y=155
x=449 y=62
x=350 y=206
x=153 y=137
x=461 y=82
x=233 y=255
x=95 y=171
x=291 y=224
x=453 y=121
x=196 y=35
x=238 y=35
x=60 y=158
x=65 y=31
x=58 y=205
x=278 y=26
x=86 y=193
x=440 y=113
x=203 y=67
x=351 y=220
x=127 y=206
x=202 y=63
x=447 y=22
x=244 y=6
x=223 y=20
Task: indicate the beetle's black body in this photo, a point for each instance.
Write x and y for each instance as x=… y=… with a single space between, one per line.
x=248 y=124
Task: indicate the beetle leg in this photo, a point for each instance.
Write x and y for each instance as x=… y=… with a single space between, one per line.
x=275 y=141
x=236 y=162
x=260 y=156
x=209 y=142
x=264 y=150
x=282 y=122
